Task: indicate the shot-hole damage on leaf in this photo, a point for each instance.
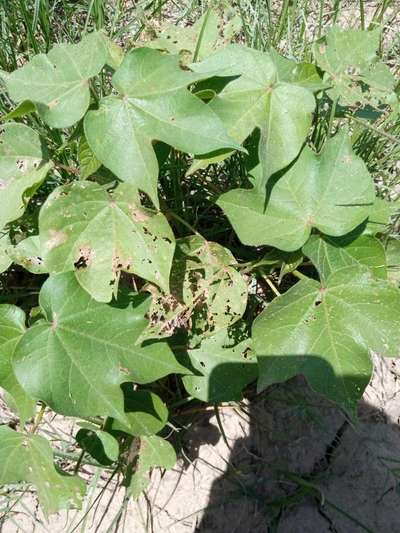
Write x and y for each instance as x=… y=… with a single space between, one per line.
x=184 y=220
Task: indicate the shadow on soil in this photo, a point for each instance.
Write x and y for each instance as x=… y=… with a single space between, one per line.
x=304 y=467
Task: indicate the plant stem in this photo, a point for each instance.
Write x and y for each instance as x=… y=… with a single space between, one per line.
x=272 y=286
x=79 y=462
x=299 y=275
x=38 y=419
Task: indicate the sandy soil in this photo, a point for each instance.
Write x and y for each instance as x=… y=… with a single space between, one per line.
x=347 y=473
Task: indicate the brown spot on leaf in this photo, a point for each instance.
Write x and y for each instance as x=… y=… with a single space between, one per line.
x=86 y=255
x=56 y=239
x=138 y=214
x=53 y=104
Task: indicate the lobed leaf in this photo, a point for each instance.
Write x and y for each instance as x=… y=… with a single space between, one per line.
x=351 y=66
x=26 y=457
x=331 y=191
x=58 y=83
x=330 y=254
x=153 y=104
x=77 y=357
x=207 y=293
x=224 y=367
x=259 y=98
x=98 y=234
x=325 y=331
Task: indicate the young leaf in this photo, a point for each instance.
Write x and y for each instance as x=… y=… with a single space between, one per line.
x=98 y=234
x=12 y=327
x=207 y=293
x=349 y=60
x=5 y=260
x=28 y=254
x=153 y=451
x=99 y=444
x=88 y=162
x=330 y=254
x=224 y=369
x=25 y=457
x=154 y=104
x=58 y=82
x=22 y=169
x=76 y=359
x=260 y=99
x=146 y=412
x=331 y=191
x=325 y=332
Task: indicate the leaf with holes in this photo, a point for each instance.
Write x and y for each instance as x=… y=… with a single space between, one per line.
x=331 y=191
x=207 y=294
x=146 y=412
x=223 y=368
x=25 y=457
x=77 y=357
x=153 y=451
x=58 y=83
x=209 y=32
x=153 y=104
x=325 y=332
x=99 y=234
x=5 y=260
x=351 y=66
x=259 y=98
x=330 y=254
x=22 y=169
x=12 y=327
x=28 y=254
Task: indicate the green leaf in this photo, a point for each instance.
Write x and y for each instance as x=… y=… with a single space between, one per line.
x=88 y=162
x=146 y=412
x=21 y=110
x=379 y=217
x=260 y=99
x=77 y=357
x=330 y=254
x=154 y=104
x=224 y=368
x=5 y=260
x=28 y=254
x=351 y=66
x=12 y=327
x=208 y=33
x=25 y=457
x=303 y=74
x=98 y=234
x=325 y=332
x=392 y=251
x=331 y=191
x=59 y=81
x=99 y=444
x=153 y=451
x=22 y=169
x=207 y=293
